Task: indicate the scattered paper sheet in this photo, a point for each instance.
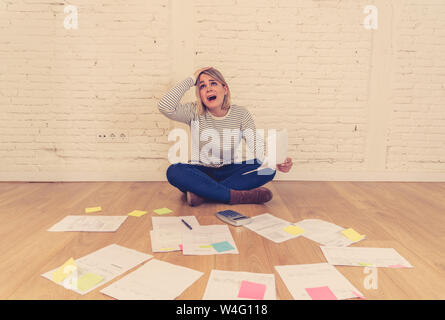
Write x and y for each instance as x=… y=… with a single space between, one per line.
x=325 y=233
x=155 y=280
x=271 y=227
x=89 y=223
x=233 y=285
x=309 y=281
x=106 y=263
x=165 y=242
x=361 y=256
x=201 y=241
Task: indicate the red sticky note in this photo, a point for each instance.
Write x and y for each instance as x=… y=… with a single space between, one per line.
x=180 y=247
x=321 y=293
x=252 y=290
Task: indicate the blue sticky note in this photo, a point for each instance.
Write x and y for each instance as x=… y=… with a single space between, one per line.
x=222 y=246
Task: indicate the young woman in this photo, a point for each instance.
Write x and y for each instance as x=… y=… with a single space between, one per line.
x=219 y=176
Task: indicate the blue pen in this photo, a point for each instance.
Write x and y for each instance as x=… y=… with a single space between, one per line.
x=188 y=226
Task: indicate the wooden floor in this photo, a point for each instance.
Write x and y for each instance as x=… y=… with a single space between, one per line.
x=409 y=217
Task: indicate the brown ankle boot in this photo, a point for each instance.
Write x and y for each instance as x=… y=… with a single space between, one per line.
x=257 y=195
x=194 y=200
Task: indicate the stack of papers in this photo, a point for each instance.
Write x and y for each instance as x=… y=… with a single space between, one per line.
x=85 y=274
x=89 y=223
x=364 y=257
x=232 y=285
x=155 y=280
x=207 y=240
x=319 y=281
x=167 y=232
x=274 y=228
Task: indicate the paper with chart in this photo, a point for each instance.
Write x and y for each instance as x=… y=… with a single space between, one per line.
x=206 y=240
x=277 y=148
x=272 y=228
x=167 y=232
x=155 y=280
x=365 y=257
x=325 y=233
x=88 y=223
x=104 y=264
x=319 y=281
x=233 y=285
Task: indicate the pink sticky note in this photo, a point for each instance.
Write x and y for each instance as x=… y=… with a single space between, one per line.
x=180 y=247
x=252 y=290
x=321 y=293
x=397 y=266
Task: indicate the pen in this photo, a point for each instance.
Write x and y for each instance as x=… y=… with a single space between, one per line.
x=188 y=226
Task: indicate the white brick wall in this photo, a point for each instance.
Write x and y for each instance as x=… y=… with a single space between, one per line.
x=359 y=104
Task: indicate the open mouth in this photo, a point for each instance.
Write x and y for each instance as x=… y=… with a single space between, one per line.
x=211 y=98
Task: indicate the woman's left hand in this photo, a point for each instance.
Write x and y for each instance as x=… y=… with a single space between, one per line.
x=285 y=166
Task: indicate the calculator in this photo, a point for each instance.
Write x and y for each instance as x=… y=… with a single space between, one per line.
x=234 y=218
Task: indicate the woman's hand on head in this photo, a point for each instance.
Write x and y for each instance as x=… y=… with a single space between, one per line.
x=197 y=72
x=285 y=166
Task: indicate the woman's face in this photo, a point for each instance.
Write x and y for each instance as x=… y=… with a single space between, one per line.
x=211 y=91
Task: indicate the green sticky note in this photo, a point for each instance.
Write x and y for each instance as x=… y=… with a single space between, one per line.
x=163 y=211
x=293 y=230
x=222 y=246
x=88 y=280
x=137 y=213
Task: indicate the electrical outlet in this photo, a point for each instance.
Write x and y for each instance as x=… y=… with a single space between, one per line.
x=112 y=136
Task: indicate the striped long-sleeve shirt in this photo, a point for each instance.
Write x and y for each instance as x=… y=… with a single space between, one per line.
x=215 y=140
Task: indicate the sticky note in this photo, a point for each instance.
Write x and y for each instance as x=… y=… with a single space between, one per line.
x=397 y=266
x=252 y=290
x=64 y=270
x=161 y=211
x=293 y=230
x=180 y=247
x=222 y=246
x=88 y=280
x=321 y=293
x=352 y=235
x=93 y=209
x=137 y=213
x=365 y=264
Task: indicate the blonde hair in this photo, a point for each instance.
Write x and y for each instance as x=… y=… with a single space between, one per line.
x=215 y=74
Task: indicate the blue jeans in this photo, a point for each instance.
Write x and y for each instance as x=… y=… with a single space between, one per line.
x=215 y=183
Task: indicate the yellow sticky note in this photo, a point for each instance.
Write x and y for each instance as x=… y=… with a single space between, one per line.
x=352 y=235
x=365 y=264
x=293 y=230
x=64 y=270
x=163 y=211
x=88 y=281
x=93 y=209
x=137 y=213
